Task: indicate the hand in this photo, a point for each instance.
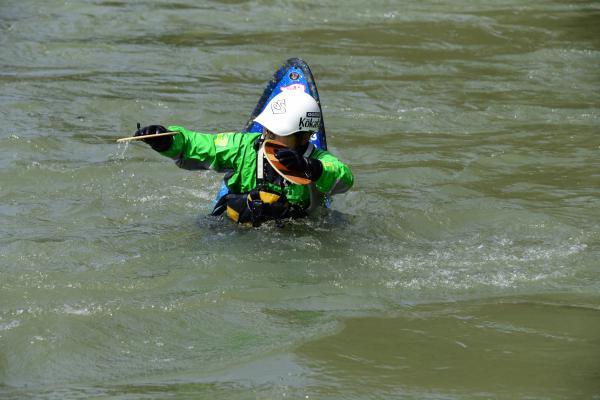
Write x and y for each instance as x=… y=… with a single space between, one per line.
x=162 y=143
x=293 y=160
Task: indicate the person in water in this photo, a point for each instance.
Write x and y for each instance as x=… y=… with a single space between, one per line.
x=257 y=192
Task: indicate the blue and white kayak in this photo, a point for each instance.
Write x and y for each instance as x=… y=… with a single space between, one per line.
x=293 y=75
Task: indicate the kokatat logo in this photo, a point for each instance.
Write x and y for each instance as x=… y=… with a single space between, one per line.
x=309 y=123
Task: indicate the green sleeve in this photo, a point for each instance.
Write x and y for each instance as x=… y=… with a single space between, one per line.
x=197 y=150
x=336 y=177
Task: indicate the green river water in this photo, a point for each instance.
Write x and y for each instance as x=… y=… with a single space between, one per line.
x=463 y=264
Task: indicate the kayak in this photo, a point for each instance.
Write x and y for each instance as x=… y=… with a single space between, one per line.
x=294 y=74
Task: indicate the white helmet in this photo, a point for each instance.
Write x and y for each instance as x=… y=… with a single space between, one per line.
x=289 y=112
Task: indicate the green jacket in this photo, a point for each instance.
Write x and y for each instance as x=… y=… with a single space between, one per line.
x=235 y=153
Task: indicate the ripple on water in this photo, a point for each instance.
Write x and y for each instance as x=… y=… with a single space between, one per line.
x=443 y=272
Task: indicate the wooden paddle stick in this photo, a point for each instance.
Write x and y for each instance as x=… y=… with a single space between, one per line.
x=128 y=139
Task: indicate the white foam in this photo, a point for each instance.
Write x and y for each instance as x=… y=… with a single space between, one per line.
x=67 y=309
x=9 y=325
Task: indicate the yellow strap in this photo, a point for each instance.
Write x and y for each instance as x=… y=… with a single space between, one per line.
x=268 y=198
x=234 y=215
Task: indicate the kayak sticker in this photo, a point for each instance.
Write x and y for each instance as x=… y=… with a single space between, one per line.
x=278 y=107
x=295 y=86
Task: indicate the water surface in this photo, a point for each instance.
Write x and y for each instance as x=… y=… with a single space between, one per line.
x=463 y=263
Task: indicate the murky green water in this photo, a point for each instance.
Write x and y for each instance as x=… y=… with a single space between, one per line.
x=463 y=264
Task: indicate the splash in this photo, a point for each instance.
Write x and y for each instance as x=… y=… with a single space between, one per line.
x=121 y=150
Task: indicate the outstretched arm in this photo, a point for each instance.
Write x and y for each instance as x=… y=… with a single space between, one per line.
x=197 y=150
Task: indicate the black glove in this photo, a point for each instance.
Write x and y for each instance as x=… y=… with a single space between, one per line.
x=295 y=161
x=162 y=143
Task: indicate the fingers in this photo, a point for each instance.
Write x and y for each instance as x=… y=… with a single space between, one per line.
x=291 y=159
x=157 y=143
x=283 y=153
x=286 y=154
x=150 y=130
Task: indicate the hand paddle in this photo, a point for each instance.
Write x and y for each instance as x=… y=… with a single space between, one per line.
x=270 y=148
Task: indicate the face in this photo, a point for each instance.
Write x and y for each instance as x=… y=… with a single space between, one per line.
x=292 y=141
